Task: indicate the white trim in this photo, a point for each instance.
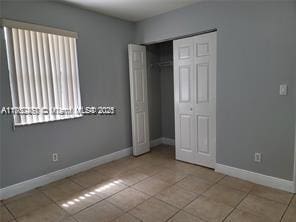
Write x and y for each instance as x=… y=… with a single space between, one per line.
x=258 y=178
x=162 y=140
x=168 y=141
x=27 y=185
x=156 y=142
x=38 y=28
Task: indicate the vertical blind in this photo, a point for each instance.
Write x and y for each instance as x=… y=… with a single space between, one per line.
x=43 y=71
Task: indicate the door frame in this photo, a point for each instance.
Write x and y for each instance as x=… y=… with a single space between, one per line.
x=196 y=34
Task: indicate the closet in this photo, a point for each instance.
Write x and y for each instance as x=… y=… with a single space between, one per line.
x=173 y=95
x=160 y=82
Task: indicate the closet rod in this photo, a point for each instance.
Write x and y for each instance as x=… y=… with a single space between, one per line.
x=165 y=63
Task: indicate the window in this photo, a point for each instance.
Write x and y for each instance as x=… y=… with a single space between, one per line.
x=43 y=72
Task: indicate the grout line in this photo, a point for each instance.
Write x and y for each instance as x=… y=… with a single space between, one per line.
x=235 y=207
x=85 y=189
x=286 y=209
x=6 y=207
x=270 y=199
x=103 y=199
x=131 y=186
x=201 y=194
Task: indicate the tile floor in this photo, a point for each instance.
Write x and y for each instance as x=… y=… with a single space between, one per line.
x=153 y=187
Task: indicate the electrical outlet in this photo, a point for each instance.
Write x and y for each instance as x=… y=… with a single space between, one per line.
x=55 y=157
x=257 y=157
x=283 y=90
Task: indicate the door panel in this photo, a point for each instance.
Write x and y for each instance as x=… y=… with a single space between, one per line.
x=202 y=83
x=202 y=48
x=195 y=99
x=184 y=80
x=185 y=52
x=185 y=125
x=203 y=134
x=139 y=101
x=139 y=89
x=141 y=128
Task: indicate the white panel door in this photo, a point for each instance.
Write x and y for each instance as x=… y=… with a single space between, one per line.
x=139 y=100
x=184 y=98
x=195 y=99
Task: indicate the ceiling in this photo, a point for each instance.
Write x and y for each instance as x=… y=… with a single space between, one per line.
x=131 y=10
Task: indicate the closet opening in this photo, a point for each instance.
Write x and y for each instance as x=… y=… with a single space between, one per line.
x=160 y=85
x=173 y=97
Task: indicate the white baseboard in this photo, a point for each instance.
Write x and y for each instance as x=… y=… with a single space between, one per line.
x=27 y=185
x=168 y=141
x=257 y=178
x=162 y=140
x=156 y=142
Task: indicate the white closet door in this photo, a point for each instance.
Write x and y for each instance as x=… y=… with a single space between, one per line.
x=139 y=98
x=195 y=99
x=184 y=98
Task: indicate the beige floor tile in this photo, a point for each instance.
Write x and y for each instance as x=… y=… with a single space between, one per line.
x=149 y=169
x=21 y=196
x=194 y=184
x=176 y=185
x=151 y=186
x=271 y=194
x=224 y=194
x=153 y=210
x=170 y=176
x=5 y=216
x=126 y=218
x=290 y=215
x=131 y=176
x=89 y=178
x=61 y=190
x=79 y=201
x=236 y=183
x=293 y=202
x=181 y=167
x=128 y=199
x=130 y=163
x=111 y=169
x=108 y=188
x=208 y=209
x=182 y=216
x=25 y=203
x=155 y=159
x=69 y=219
x=49 y=213
x=208 y=174
x=100 y=212
x=263 y=207
x=176 y=196
x=243 y=216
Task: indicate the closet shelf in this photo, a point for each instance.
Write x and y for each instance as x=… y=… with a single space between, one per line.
x=162 y=64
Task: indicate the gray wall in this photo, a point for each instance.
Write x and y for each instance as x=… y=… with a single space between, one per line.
x=167 y=91
x=256 y=53
x=103 y=66
x=154 y=92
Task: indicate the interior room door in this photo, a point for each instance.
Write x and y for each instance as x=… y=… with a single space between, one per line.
x=195 y=99
x=139 y=98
